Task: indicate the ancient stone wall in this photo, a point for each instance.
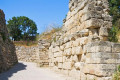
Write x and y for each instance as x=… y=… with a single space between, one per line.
x=8 y=56
x=43 y=53
x=27 y=54
x=83 y=52
x=37 y=54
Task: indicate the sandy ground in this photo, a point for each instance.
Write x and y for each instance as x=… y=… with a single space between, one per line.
x=29 y=71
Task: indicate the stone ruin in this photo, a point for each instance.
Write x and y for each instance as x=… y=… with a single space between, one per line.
x=8 y=56
x=43 y=58
x=37 y=53
x=83 y=52
x=27 y=53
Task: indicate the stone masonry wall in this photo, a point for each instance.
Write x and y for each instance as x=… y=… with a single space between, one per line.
x=27 y=54
x=8 y=56
x=37 y=54
x=83 y=51
x=43 y=53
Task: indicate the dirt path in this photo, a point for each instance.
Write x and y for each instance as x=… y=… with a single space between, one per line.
x=29 y=71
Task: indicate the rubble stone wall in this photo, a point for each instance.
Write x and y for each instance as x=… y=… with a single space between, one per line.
x=83 y=51
x=37 y=54
x=8 y=56
x=27 y=54
x=43 y=53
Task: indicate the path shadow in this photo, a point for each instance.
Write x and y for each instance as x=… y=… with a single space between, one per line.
x=18 y=67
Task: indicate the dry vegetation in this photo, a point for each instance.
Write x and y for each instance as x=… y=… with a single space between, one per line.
x=48 y=35
x=25 y=43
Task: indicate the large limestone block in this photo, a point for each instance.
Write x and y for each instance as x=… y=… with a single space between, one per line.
x=83 y=40
x=72 y=38
x=69 y=59
x=103 y=31
x=103 y=61
x=79 y=65
x=73 y=30
x=75 y=58
x=60 y=65
x=82 y=4
x=93 y=23
x=73 y=50
x=84 y=32
x=102 y=58
x=64 y=58
x=99 y=46
x=116 y=48
x=56 y=49
x=103 y=55
x=62 y=47
x=68 y=45
x=58 y=54
x=66 y=39
x=69 y=23
x=67 y=65
x=76 y=20
x=100 y=69
x=59 y=59
x=91 y=14
x=68 y=51
x=79 y=50
x=76 y=43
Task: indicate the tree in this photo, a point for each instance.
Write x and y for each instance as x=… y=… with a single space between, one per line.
x=115 y=13
x=22 y=28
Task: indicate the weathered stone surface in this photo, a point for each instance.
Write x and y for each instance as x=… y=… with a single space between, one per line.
x=87 y=53
x=99 y=46
x=67 y=65
x=68 y=51
x=116 y=48
x=100 y=69
x=8 y=56
x=60 y=65
x=79 y=65
x=103 y=31
x=27 y=54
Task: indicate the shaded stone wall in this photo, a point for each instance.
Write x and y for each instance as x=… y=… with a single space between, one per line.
x=8 y=56
x=83 y=51
x=27 y=54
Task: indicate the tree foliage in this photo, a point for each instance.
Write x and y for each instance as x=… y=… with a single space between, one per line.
x=22 y=28
x=115 y=13
x=115 y=9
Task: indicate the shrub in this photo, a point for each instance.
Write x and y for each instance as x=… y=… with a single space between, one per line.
x=113 y=33
x=116 y=75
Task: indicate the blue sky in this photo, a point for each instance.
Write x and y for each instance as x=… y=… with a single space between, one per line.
x=43 y=12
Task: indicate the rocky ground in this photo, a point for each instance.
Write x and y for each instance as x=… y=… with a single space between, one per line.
x=29 y=71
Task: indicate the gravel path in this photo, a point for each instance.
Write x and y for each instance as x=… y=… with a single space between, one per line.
x=29 y=71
